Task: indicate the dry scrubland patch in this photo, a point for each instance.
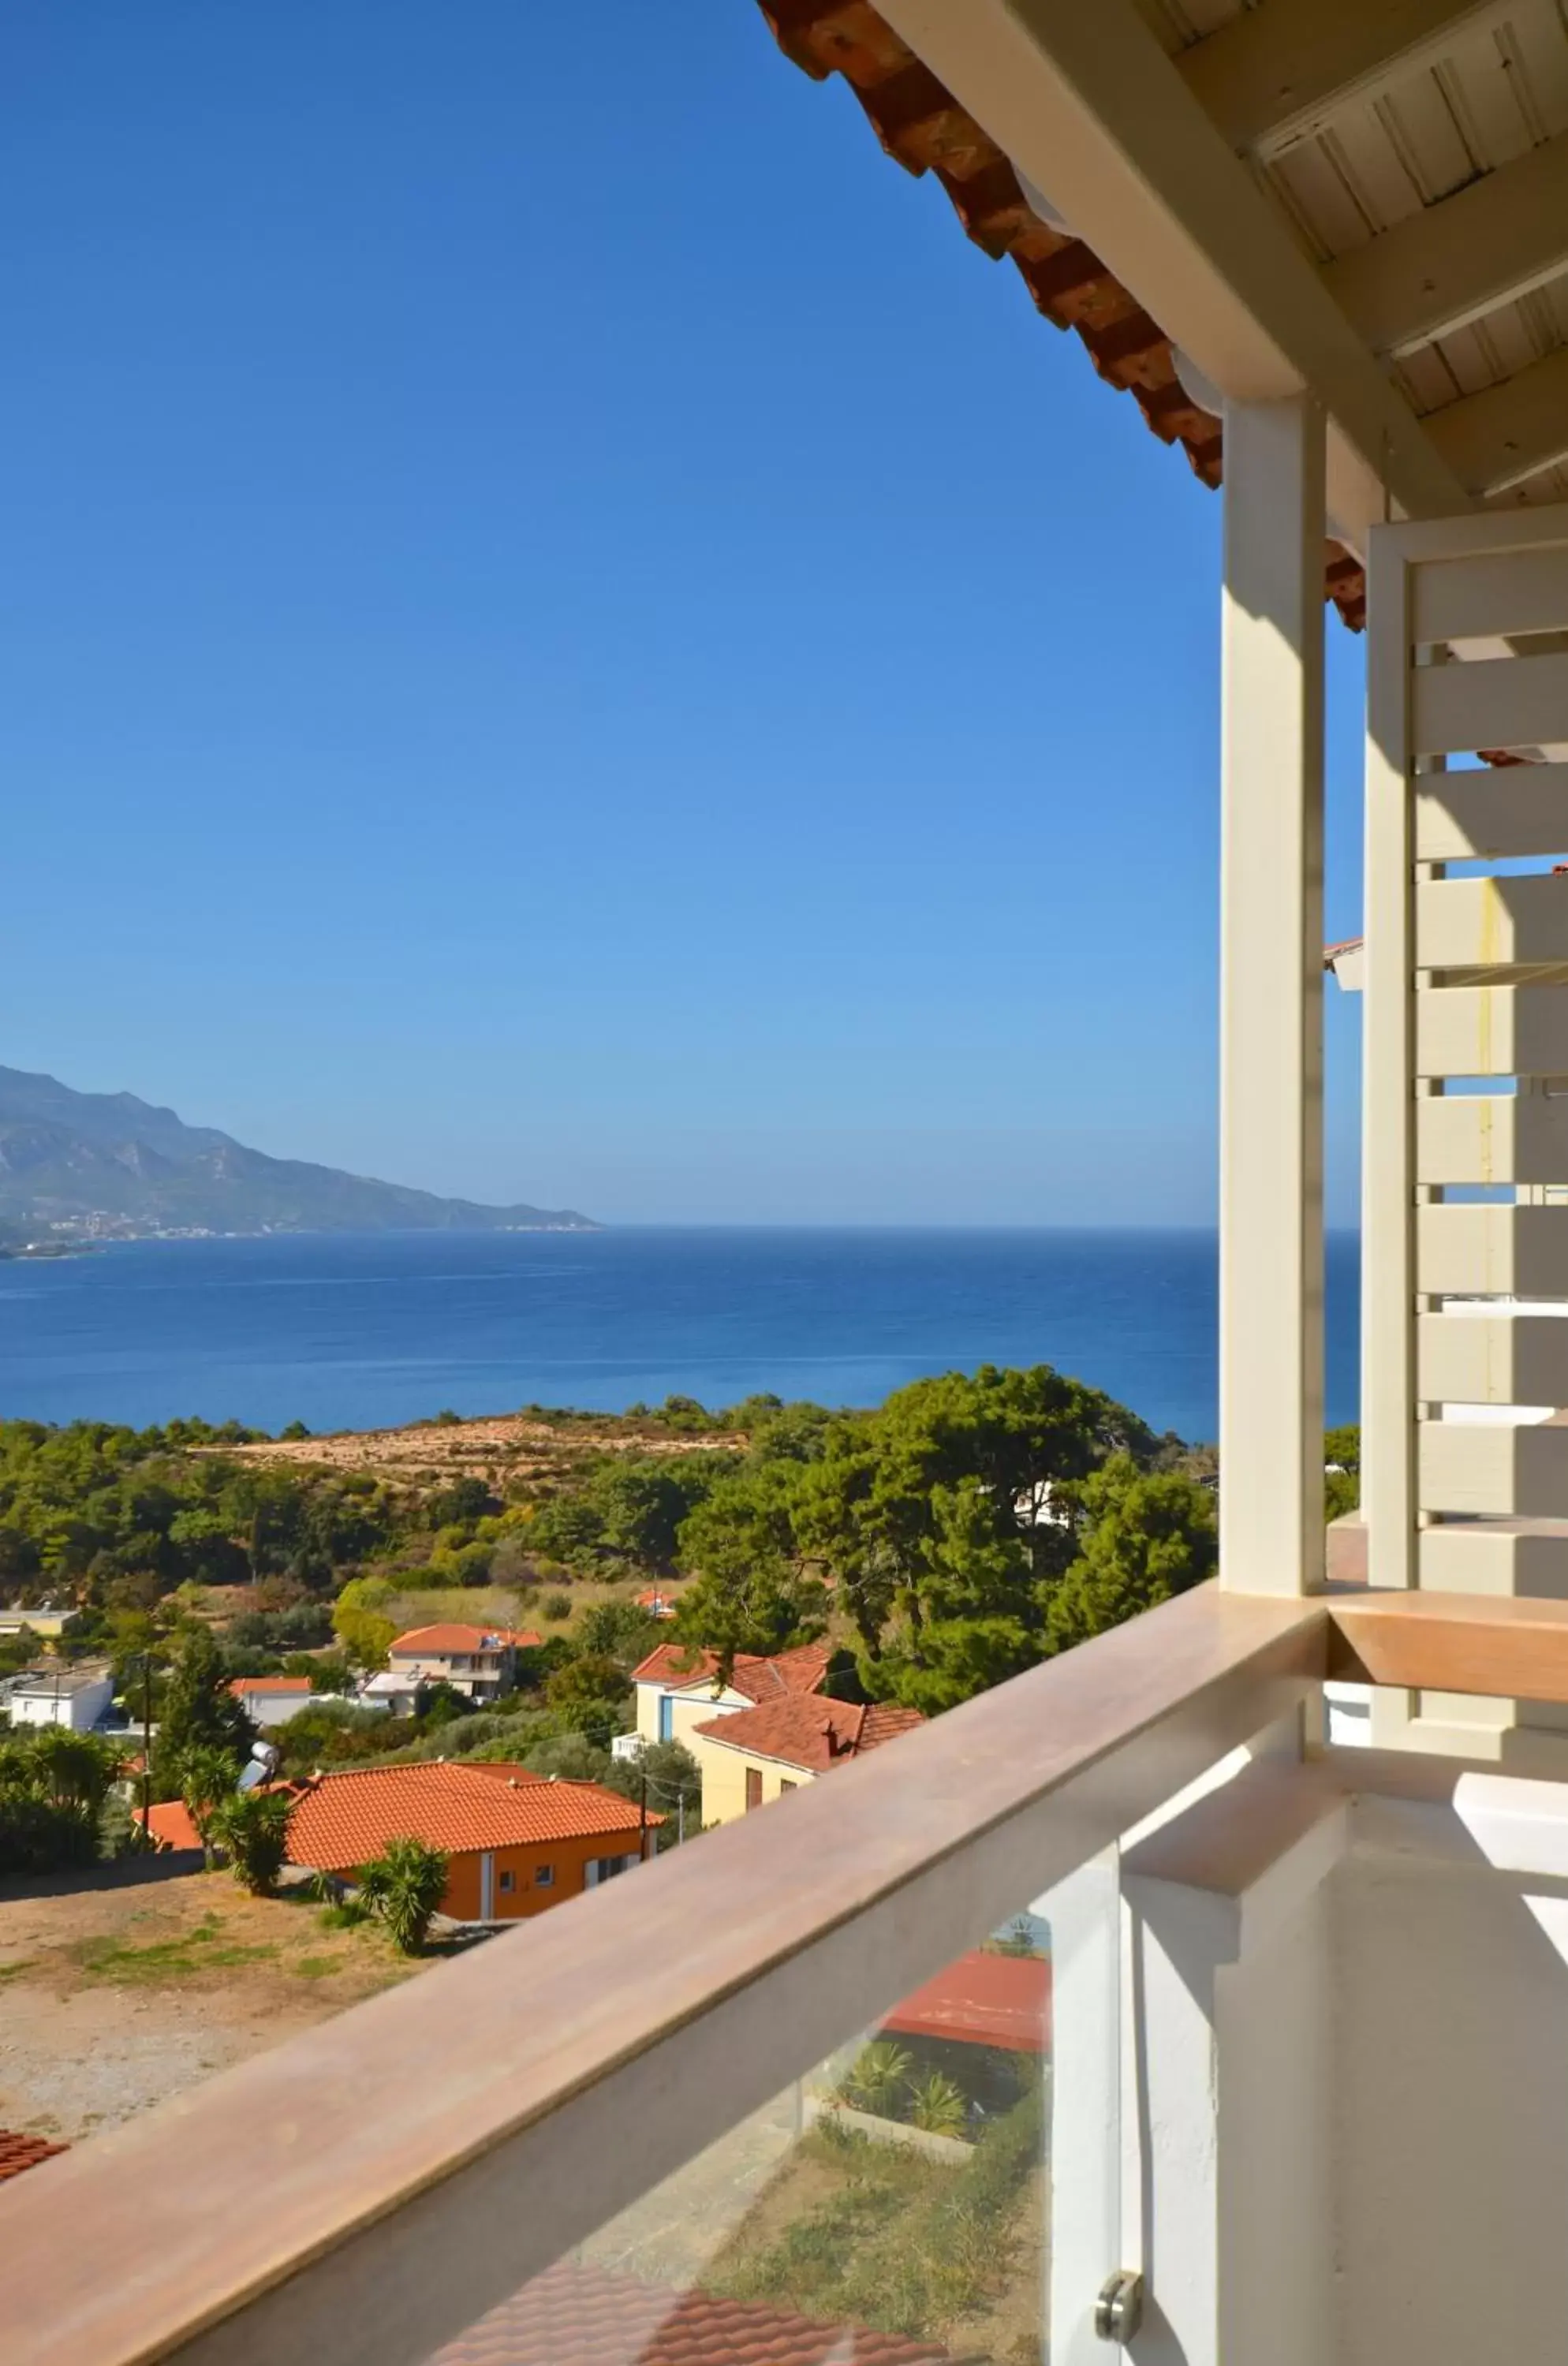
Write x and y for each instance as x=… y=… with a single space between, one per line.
x=496 y=1606
x=500 y=1447
x=115 y=1998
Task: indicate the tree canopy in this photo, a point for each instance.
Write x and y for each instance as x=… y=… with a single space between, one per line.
x=945 y=1526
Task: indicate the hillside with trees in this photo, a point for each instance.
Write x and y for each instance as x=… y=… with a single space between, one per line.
x=969 y=1527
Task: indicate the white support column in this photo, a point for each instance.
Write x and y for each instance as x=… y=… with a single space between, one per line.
x=1272 y=1523
x=1388 y=1165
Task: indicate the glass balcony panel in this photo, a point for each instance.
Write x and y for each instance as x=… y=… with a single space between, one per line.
x=892 y=2207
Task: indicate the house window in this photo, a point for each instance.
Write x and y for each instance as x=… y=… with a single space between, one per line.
x=508 y=1882
x=544 y=1877
x=604 y=1868
x=754 y=1787
x=783 y=1787
x=666 y=1718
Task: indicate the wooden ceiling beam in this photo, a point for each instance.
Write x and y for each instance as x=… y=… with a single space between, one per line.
x=1092 y=112
x=1456 y=261
x=1502 y=436
x=1273 y=75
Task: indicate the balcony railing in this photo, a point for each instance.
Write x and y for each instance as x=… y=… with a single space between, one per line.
x=372 y=2190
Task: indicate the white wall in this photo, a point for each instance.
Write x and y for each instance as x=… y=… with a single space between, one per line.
x=79 y=1709
x=1450 y=2081
x=1344 y=2073
x=276 y=1708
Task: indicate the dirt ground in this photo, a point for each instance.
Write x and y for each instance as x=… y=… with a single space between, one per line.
x=504 y=1446
x=112 y=1998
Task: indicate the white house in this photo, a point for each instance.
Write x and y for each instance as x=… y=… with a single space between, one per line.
x=272 y=1700
x=74 y=1697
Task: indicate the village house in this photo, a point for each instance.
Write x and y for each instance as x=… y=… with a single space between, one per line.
x=481 y=1662
x=679 y=1687
x=750 y=1756
x=272 y=1700
x=518 y=1842
x=73 y=1698
x=49 y=1621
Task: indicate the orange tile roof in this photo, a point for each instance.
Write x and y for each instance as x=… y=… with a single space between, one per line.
x=504 y=1770
x=343 y=1821
x=812 y=1734
x=170 y=1825
x=456 y=1636
x=982 y=2000
x=577 y=2316
x=767 y=1678
x=674 y=1664
x=760 y=1675
x=20 y=2152
x=241 y=1685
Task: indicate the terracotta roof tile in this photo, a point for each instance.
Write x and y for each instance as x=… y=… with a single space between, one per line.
x=575 y=2316
x=982 y=2000
x=760 y=1676
x=343 y=1821
x=922 y=127
x=21 y=2152
x=764 y=1678
x=170 y=1825
x=241 y=1685
x=885 y=1722
x=674 y=1664
x=454 y=1637
x=812 y=1734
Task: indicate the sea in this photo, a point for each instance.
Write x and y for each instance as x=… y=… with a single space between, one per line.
x=360 y=1332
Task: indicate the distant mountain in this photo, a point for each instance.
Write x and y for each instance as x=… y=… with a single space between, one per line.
x=108 y=1166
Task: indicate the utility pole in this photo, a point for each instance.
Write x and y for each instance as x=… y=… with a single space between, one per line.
x=642 y=1814
x=146 y=1749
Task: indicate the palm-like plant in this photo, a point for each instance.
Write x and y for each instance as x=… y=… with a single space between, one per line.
x=879 y=2078
x=208 y=1777
x=253 y=1827
x=938 y=2107
x=404 y=1886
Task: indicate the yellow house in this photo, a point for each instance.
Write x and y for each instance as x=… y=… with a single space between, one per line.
x=679 y=1687
x=750 y=1756
x=48 y=1623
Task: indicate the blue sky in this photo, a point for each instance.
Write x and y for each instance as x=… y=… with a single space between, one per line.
x=564 y=636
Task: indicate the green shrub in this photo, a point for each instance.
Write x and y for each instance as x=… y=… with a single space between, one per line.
x=403 y=1889
x=936 y=2106
x=53 y=1789
x=253 y=1827
x=878 y=2078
